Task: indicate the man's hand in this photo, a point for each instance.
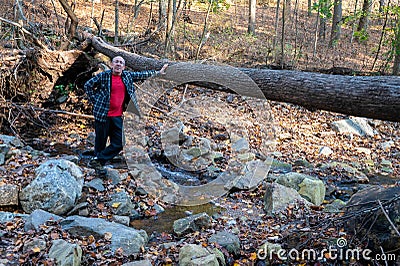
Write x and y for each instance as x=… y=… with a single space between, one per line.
x=162 y=70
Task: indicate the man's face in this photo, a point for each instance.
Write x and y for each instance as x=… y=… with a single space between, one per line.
x=117 y=65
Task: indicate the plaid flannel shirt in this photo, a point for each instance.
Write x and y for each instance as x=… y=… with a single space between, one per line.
x=98 y=89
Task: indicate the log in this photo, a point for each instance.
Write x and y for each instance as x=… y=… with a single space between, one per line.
x=375 y=97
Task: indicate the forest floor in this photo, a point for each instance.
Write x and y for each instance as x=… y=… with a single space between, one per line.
x=300 y=133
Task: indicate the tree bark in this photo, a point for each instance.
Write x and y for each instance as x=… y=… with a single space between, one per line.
x=336 y=22
x=374 y=97
x=251 y=28
x=363 y=23
x=72 y=16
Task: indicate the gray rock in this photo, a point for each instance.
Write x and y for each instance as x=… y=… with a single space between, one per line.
x=227 y=240
x=125 y=205
x=325 y=151
x=96 y=183
x=196 y=255
x=335 y=206
x=38 y=218
x=309 y=187
x=10 y=216
x=354 y=125
x=386 y=146
x=277 y=197
x=4 y=148
x=33 y=244
x=8 y=195
x=121 y=219
x=254 y=172
x=192 y=223
x=127 y=238
x=11 y=140
x=241 y=145
x=57 y=186
x=65 y=254
x=277 y=166
x=114 y=175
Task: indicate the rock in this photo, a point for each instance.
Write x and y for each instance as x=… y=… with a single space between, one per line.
x=386 y=146
x=38 y=218
x=122 y=204
x=386 y=166
x=11 y=140
x=121 y=219
x=114 y=175
x=227 y=240
x=277 y=197
x=192 y=224
x=302 y=163
x=307 y=186
x=65 y=254
x=56 y=188
x=335 y=206
x=355 y=125
x=10 y=216
x=241 y=145
x=246 y=157
x=196 y=255
x=325 y=151
x=35 y=245
x=8 y=195
x=254 y=172
x=127 y=238
x=96 y=183
x=4 y=148
x=277 y=166
x=372 y=225
x=172 y=136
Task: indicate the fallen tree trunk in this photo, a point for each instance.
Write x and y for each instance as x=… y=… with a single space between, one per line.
x=374 y=97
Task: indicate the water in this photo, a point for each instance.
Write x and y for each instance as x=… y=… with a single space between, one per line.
x=164 y=221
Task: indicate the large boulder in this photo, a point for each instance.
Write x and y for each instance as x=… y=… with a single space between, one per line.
x=367 y=220
x=128 y=239
x=227 y=240
x=56 y=188
x=277 y=197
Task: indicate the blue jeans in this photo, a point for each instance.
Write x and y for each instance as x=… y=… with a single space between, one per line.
x=112 y=129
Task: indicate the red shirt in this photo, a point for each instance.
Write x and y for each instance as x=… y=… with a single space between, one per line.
x=117 y=96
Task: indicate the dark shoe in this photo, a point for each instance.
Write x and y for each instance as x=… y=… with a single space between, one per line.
x=98 y=167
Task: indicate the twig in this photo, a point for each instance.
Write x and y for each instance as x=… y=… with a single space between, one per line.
x=36 y=40
x=388 y=218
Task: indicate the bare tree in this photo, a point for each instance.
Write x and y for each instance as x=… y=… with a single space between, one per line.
x=116 y=21
x=74 y=19
x=336 y=22
x=252 y=17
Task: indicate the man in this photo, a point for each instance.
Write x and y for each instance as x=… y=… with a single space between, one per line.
x=109 y=92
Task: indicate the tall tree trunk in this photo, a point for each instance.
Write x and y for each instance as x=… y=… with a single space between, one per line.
x=375 y=97
x=283 y=35
x=162 y=12
x=276 y=28
x=203 y=34
x=353 y=25
x=168 y=30
x=336 y=22
x=396 y=63
x=363 y=23
x=288 y=11
x=116 y=21
x=323 y=18
x=251 y=29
